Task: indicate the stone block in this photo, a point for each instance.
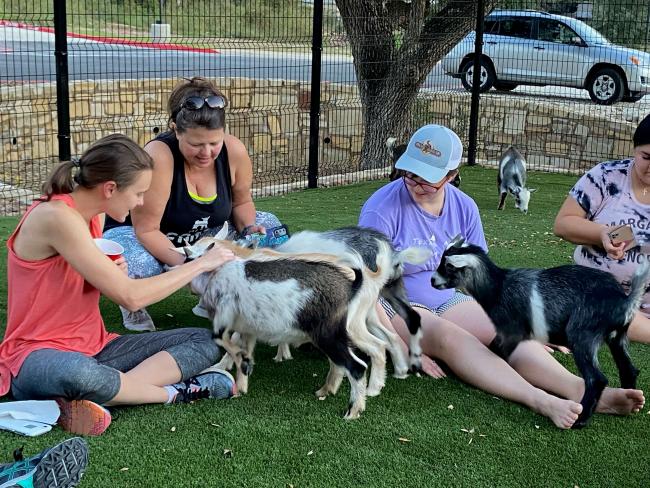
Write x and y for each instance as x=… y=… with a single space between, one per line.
x=622 y=149
x=598 y=145
x=261 y=143
x=515 y=122
x=273 y=122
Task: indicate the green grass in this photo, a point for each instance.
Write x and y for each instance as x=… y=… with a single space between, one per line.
x=280 y=435
x=192 y=21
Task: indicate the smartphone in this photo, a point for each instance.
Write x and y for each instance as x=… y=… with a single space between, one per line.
x=623 y=233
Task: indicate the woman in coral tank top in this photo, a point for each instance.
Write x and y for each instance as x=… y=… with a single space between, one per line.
x=55 y=344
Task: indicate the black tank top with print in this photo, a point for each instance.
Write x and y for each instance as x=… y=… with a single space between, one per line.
x=185 y=219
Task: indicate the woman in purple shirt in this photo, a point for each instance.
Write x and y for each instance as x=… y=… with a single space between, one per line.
x=421 y=209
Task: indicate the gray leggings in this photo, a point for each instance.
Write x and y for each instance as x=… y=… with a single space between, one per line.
x=50 y=373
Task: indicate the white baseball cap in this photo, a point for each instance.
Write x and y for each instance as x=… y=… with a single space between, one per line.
x=432 y=152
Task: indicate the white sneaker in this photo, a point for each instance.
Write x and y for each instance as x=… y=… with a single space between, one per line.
x=139 y=321
x=199 y=311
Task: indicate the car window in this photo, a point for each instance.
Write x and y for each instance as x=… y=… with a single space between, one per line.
x=491 y=26
x=553 y=31
x=516 y=27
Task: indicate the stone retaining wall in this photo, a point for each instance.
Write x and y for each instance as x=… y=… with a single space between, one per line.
x=272 y=119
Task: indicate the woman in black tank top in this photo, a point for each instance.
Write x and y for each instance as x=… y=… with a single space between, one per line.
x=202 y=178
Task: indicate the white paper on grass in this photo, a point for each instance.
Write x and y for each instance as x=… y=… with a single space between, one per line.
x=30 y=417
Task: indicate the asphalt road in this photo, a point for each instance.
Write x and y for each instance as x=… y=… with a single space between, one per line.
x=28 y=56
x=25 y=60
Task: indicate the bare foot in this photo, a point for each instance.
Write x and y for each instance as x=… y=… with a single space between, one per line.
x=563 y=413
x=618 y=401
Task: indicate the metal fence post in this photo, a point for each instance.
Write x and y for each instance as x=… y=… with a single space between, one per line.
x=314 y=104
x=476 y=84
x=62 y=91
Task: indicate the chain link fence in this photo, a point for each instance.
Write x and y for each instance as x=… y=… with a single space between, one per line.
x=538 y=76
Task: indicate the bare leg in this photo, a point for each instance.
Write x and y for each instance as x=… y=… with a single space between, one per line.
x=538 y=367
x=144 y=383
x=639 y=330
x=443 y=339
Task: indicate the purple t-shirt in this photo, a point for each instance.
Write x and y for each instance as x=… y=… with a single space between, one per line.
x=605 y=194
x=392 y=210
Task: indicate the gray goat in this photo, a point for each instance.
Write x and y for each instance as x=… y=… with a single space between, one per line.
x=512 y=178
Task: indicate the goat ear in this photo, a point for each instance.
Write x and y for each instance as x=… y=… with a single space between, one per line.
x=462 y=260
x=457 y=241
x=532 y=190
x=223 y=232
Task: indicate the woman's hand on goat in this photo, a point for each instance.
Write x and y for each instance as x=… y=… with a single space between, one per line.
x=614 y=251
x=216 y=257
x=431 y=368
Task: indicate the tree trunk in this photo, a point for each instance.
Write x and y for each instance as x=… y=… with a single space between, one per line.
x=395 y=44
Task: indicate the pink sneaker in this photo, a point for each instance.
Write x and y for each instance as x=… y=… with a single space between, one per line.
x=83 y=417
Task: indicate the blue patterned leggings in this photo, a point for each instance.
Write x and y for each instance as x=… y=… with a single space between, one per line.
x=143 y=265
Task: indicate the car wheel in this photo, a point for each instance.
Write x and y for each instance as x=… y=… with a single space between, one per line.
x=504 y=86
x=633 y=97
x=606 y=87
x=487 y=75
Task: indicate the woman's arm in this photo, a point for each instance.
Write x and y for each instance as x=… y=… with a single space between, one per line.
x=67 y=233
x=146 y=219
x=241 y=171
x=572 y=224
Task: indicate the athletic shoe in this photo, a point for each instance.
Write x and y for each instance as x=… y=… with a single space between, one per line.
x=61 y=466
x=199 y=311
x=212 y=383
x=83 y=417
x=138 y=321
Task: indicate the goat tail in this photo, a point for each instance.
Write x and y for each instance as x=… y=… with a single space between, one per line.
x=637 y=288
x=390 y=142
x=413 y=255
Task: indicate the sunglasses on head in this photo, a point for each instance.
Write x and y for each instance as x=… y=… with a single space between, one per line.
x=196 y=102
x=413 y=180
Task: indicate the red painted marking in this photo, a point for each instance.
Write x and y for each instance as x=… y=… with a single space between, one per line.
x=112 y=40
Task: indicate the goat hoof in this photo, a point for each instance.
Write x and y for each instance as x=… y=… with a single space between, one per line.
x=352 y=414
x=322 y=394
x=246 y=367
x=400 y=375
x=374 y=390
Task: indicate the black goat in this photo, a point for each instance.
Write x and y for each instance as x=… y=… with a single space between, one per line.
x=570 y=305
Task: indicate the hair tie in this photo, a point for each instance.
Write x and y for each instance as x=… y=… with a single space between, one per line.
x=76 y=162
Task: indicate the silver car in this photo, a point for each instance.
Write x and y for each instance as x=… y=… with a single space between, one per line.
x=524 y=47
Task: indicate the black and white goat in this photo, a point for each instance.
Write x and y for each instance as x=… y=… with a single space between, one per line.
x=512 y=178
x=281 y=298
x=377 y=251
x=570 y=305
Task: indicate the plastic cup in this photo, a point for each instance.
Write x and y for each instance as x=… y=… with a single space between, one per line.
x=112 y=249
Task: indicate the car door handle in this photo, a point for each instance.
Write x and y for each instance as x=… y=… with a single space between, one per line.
x=539 y=48
x=490 y=42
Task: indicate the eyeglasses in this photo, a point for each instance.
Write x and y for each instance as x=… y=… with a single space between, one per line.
x=196 y=103
x=410 y=180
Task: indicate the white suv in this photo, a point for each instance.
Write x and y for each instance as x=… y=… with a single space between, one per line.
x=524 y=47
